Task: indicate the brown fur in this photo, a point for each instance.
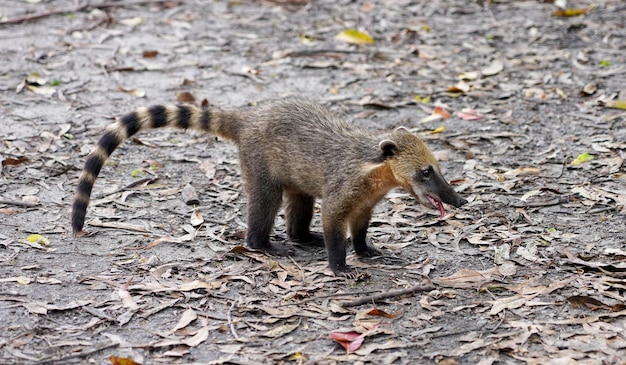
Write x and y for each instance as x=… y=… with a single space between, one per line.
x=296 y=151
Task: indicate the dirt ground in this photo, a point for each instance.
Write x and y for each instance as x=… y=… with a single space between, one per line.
x=530 y=271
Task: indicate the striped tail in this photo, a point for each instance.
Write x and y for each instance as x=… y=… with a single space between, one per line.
x=214 y=121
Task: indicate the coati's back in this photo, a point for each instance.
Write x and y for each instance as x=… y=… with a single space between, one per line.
x=305 y=145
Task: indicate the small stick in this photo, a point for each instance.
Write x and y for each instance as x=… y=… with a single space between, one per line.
x=390 y=294
x=75 y=355
x=18 y=203
x=233 y=330
x=76 y=9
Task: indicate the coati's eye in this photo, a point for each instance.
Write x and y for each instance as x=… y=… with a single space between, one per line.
x=426 y=172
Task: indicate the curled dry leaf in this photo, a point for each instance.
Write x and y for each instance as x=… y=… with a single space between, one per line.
x=10 y=161
x=150 y=54
x=196 y=218
x=571 y=12
x=122 y=361
x=493 y=69
x=381 y=313
x=134 y=92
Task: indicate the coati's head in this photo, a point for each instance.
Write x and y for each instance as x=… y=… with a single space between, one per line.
x=415 y=169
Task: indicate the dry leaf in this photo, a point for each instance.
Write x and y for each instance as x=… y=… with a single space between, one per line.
x=381 y=313
x=134 y=92
x=280 y=330
x=185 y=97
x=493 y=69
x=122 y=361
x=196 y=218
x=571 y=12
x=201 y=336
x=351 y=341
x=150 y=54
x=189 y=315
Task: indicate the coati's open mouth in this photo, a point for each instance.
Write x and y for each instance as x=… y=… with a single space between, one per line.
x=437 y=204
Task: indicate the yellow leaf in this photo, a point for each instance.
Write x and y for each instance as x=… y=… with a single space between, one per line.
x=37 y=238
x=353 y=36
x=422 y=99
x=571 y=12
x=438 y=130
x=583 y=157
x=297 y=356
x=617 y=104
x=306 y=39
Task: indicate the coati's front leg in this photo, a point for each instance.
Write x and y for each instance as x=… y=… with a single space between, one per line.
x=358 y=232
x=298 y=214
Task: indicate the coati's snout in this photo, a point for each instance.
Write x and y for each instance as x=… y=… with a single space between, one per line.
x=431 y=189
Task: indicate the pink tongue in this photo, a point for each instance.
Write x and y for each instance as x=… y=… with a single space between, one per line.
x=439 y=205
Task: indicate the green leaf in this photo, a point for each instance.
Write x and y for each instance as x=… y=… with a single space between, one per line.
x=135 y=173
x=605 y=63
x=37 y=238
x=583 y=157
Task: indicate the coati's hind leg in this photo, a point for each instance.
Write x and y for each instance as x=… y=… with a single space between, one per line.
x=264 y=200
x=334 y=222
x=298 y=214
x=358 y=232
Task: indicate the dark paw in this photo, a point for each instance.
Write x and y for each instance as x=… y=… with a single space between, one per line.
x=311 y=239
x=345 y=271
x=275 y=249
x=351 y=274
x=369 y=251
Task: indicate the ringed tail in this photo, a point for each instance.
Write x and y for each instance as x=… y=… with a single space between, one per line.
x=213 y=121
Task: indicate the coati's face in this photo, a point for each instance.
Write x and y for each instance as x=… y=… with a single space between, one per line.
x=417 y=171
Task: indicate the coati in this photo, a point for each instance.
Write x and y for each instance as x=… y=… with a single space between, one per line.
x=293 y=150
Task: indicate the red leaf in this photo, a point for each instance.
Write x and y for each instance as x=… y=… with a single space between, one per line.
x=351 y=341
x=381 y=313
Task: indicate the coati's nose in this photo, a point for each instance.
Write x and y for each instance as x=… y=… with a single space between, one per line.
x=462 y=201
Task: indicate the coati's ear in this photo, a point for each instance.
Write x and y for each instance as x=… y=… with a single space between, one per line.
x=388 y=148
x=402 y=129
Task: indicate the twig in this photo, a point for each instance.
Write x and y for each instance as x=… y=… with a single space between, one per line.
x=395 y=293
x=18 y=203
x=75 y=355
x=77 y=8
x=233 y=330
x=301 y=269
x=329 y=296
